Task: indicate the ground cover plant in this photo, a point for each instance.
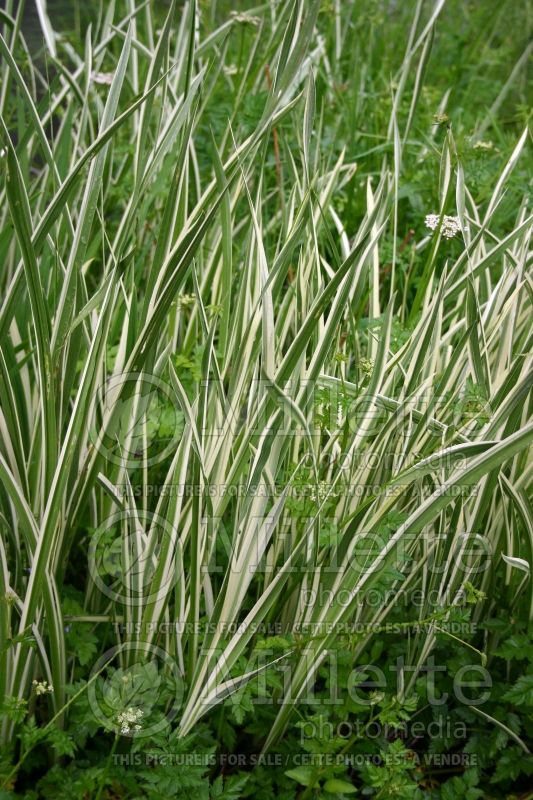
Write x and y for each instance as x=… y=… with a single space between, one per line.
x=265 y=400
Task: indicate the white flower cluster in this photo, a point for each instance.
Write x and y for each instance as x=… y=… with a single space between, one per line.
x=129 y=720
x=320 y=492
x=42 y=687
x=367 y=366
x=244 y=17
x=185 y=300
x=450 y=225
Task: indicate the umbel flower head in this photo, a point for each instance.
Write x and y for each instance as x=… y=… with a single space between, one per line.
x=129 y=720
x=245 y=18
x=42 y=687
x=450 y=225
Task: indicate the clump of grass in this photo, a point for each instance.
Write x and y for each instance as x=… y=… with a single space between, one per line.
x=243 y=384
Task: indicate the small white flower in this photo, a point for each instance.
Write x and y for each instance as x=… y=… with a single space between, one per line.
x=42 y=687
x=102 y=77
x=128 y=720
x=432 y=220
x=230 y=69
x=367 y=366
x=245 y=18
x=450 y=225
x=320 y=492
x=186 y=300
